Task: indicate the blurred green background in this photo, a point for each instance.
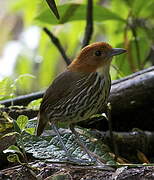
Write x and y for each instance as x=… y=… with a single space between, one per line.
x=29 y=61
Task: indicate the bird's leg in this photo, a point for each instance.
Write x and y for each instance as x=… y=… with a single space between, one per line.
x=80 y=143
x=70 y=158
x=61 y=141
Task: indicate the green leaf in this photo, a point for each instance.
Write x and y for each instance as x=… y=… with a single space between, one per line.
x=22 y=121
x=35 y=104
x=74 y=12
x=24 y=81
x=48 y=147
x=30 y=130
x=6 y=88
x=13 y=149
x=16 y=127
x=140 y=5
x=13 y=158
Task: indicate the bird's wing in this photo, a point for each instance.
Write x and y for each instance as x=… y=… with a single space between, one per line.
x=63 y=85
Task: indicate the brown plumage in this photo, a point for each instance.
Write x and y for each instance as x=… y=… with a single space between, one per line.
x=78 y=92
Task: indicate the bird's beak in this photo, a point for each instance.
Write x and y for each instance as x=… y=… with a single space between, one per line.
x=116 y=51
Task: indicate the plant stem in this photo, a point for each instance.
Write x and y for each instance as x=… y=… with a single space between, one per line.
x=137 y=47
x=57 y=43
x=23 y=147
x=89 y=25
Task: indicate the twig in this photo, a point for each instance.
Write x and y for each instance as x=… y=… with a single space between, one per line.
x=89 y=25
x=57 y=43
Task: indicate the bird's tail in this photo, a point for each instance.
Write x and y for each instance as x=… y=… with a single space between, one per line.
x=42 y=122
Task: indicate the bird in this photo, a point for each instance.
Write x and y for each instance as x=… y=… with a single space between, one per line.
x=79 y=92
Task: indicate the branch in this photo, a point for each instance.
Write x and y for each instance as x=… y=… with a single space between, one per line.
x=57 y=43
x=144 y=71
x=89 y=25
x=22 y=100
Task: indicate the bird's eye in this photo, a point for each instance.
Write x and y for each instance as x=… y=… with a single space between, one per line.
x=98 y=53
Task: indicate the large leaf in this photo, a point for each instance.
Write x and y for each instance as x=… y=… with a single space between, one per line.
x=140 y=5
x=49 y=148
x=148 y=11
x=73 y=12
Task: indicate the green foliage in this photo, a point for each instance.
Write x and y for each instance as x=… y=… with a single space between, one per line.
x=5 y=122
x=24 y=70
x=49 y=148
x=30 y=131
x=24 y=82
x=13 y=158
x=20 y=125
x=20 y=128
x=50 y=59
x=28 y=9
x=76 y=12
x=7 y=88
x=35 y=104
x=22 y=121
x=138 y=6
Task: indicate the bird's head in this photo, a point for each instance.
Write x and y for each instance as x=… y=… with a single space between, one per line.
x=94 y=56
